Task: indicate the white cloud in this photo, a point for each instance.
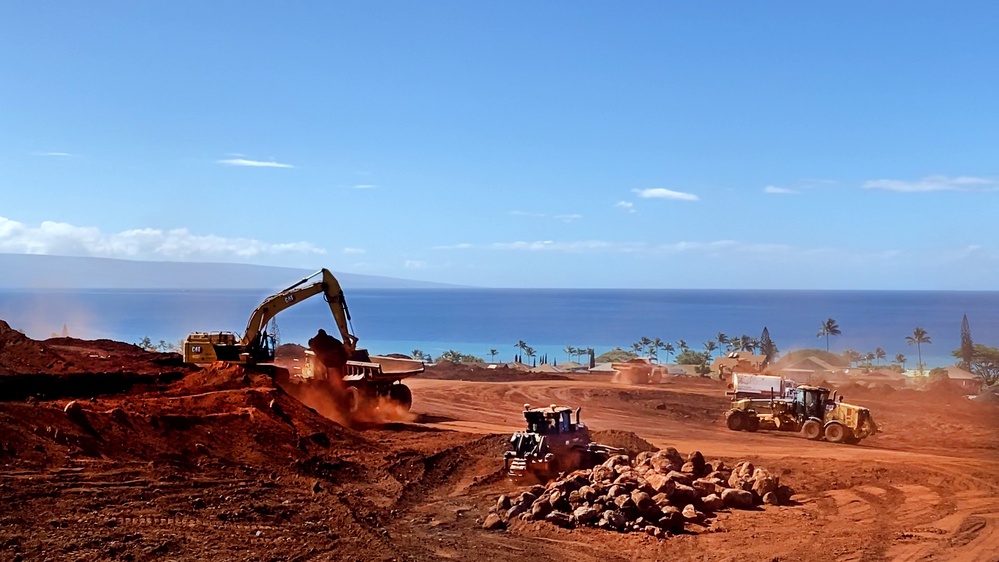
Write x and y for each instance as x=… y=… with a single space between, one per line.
x=179 y=244
x=933 y=183
x=253 y=163
x=594 y=246
x=56 y=154
x=568 y=217
x=663 y=193
x=626 y=205
x=365 y=186
x=353 y=250
x=415 y=264
x=779 y=190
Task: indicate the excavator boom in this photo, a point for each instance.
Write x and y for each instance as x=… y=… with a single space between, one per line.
x=255 y=344
x=274 y=304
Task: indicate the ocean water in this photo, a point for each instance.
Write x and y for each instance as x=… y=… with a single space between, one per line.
x=474 y=321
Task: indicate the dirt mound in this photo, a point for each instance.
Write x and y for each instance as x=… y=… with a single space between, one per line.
x=447 y=370
x=20 y=354
x=222 y=376
x=944 y=386
x=289 y=352
x=626 y=440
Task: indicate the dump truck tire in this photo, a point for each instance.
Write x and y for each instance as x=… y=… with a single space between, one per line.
x=735 y=420
x=401 y=394
x=811 y=429
x=352 y=399
x=835 y=433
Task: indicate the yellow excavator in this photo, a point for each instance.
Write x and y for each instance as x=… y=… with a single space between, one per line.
x=360 y=375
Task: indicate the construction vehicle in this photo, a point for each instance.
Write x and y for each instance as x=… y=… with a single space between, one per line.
x=551 y=444
x=753 y=385
x=811 y=411
x=359 y=375
x=640 y=370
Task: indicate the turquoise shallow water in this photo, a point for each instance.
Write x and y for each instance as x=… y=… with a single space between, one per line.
x=476 y=320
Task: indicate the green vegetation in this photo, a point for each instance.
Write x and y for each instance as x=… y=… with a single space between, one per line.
x=829 y=328
x=459 y=357
x=919 y=337
x=984 y=363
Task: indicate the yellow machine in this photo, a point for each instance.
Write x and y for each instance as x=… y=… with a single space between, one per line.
x=810 y=411
x=360 y=377
x=256 y=345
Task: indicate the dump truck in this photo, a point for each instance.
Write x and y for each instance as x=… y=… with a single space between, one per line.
x=640 y=370
x=335 y=364
x=553 y=443
x=813 y=411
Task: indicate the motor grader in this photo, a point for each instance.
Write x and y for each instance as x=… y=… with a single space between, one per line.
x=811 y=411
x=552 y=443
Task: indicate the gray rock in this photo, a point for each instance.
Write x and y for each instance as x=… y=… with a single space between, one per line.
x=503 y=503
x=736 y=498
x=712 y=502
x=559 y=518
x=493 y=522
x=585 y=515
x=672 y=520
x=784 y=494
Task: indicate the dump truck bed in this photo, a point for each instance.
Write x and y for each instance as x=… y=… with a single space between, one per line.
x=382 y=368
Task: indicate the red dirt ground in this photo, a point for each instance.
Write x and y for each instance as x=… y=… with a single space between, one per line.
x=220 y=464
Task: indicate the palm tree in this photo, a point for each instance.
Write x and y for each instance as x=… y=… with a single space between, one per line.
x=529 y=351
x=646 y=343
x=829 y=328
x=668 y=348
x=900 y=359
x=570 y=351
x=918 y=337
x=742 y=343
x=656 y=345
x=522 y=346
x=879 y=354
x=722 y=340
x=417 y=354
x=636 y=348
x=682 y=345
x=492 y=355
x=709 y=347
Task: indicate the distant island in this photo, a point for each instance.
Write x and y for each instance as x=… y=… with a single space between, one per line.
x=24 y=271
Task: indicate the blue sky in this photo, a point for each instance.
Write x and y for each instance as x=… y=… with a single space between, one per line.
x=512 y=144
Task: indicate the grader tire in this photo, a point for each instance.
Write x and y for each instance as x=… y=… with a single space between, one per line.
x=753 y=424
x=811 y=429
x=835 y=433
x=736 y=420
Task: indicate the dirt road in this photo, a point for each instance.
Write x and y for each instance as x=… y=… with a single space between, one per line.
x=905 y=495
x=166 y=462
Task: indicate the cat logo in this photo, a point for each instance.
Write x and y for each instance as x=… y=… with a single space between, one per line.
x=195 y=349
x=289 y=298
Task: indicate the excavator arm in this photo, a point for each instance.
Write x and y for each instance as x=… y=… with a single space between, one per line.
x=274 y=304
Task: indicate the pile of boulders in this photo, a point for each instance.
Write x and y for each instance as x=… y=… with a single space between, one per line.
x=656 y=493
